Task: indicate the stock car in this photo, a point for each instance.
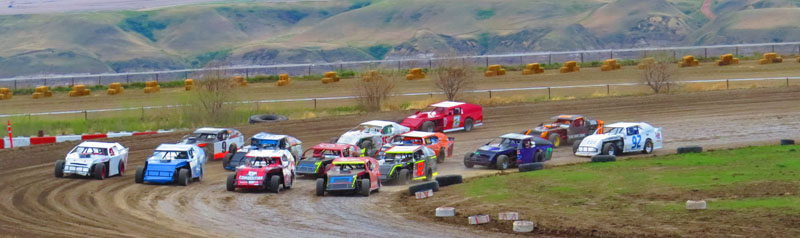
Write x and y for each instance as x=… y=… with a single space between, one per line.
x=446 y=116
x=353 y=174
x=513 y=150
x=371 y=136
x=96 y=159
x=178 y=163
x=263 y=141
x=619 y=138
x=321 y=157
x=567 y=128
x=264 y=170
x=217 y=142
x=402 y=163
x=438 y=142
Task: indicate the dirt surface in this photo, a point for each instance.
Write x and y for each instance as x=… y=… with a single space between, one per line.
x=35 y=204
x=14 y=7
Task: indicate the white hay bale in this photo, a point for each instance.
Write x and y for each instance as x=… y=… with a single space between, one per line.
x=445 y=211
x=695 y=205
x=508 y=216
x=479 y=219
x=424 y=194
x=523 y=226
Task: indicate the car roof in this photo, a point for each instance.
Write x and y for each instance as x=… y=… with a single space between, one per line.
x=264 y=153
x=97 y=144
x=378 y=123
x=209 y=130
x=567 y=117
x=403 y=149
x=516 y=136
x=420 y=134
x=447 y=104
x=174 y=147
x=350 y=160
x=330 y=146
x=268 y=136
x=629 y=124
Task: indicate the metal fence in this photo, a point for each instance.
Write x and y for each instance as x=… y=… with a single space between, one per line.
x=784 y=48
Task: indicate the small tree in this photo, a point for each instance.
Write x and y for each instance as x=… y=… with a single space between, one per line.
x=659 y=74
x=455 y=75
x=210 y=101
x=373 y=89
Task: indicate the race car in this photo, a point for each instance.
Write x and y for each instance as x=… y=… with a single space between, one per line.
x=513 y=150
x=96 y=159
x=178 y=163
x=402 y=163
x=446 y=116
x=438 y=142
x=371 y=136
x=619 y=138
x=263 y=141
x=264 y=170
x=318 y=162
x=351 y=174
x=567 y=128
x=217 y=142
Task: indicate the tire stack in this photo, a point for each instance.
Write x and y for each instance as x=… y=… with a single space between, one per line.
x=115 y=88
x=5 y=93
x=603 y=158
x=447 y=180
x=43 y=92
x=330 y=77
x=283 y=80
x=151 y=87
x=188 y=84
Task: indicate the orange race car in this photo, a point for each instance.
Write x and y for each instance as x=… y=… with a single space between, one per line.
x=438 y=142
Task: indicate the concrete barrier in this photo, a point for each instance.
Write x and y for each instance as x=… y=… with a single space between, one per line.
x=479 y=219
x=523 y=226
x=445 y=211
x=424 y=194
x=508 y=216
x=696 y=205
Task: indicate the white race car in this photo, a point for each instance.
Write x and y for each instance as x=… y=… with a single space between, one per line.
x=96 y=159
x=619 y=138
x=371 y=136
x=217 y=142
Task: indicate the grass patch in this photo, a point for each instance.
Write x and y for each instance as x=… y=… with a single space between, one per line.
x=484 y=14
x=142 y=24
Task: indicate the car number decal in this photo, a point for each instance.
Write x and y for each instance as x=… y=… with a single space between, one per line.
x=636 y=140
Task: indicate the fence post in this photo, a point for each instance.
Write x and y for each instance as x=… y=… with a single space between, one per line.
x=45 y=81
x=727 y=84
x=15 y=84
x=487 y=61
x=127 y=79
x=85 y=115
x=99 y=80
x=773 y=48
x=581 y=57
x=787 y=82
x=548 y=93
x=490 y=93
x=185 y=75
x=246 y=74
x=73 y=82
x=608 y=89
x=430 y=63
x=156 y=77
x=309 y=69
x=550 y=59
x=612 y=54
x=737 y=52
x=315 y=103
x=705 y=52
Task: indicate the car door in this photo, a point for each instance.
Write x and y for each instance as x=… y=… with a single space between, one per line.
x=526 y=152
x=193 y=161
x=633 y=139
x=419 y=164
x=373 y=173
x=221 y=145
x=113 y=161
x=577 y=130
x=456 y=117
x=286 y=163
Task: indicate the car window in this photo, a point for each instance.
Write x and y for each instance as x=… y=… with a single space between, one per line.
x=526 y=143
x=387 y=130
x=457 y=111
x=429 y=141
x=633 y=131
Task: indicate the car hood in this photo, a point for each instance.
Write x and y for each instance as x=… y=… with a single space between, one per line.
x=352 y=137
x=597 y=140
x=76 y=158
x=413 y=121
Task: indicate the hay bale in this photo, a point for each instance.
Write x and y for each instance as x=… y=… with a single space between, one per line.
x=86 y=92
x=330 y=74
x=74 y=94
x=494 y=67
x=527 y=72
x=115 y=85
x=188 y=82
x=48 y=94
x=735 y=61
x=415 y=71
x=37 y=95
x=798 y=59
x=410 y=77
x=189 y=87
x=490 y=73
x=283 y=77
x=327 y=80
x=570 y=64
x=564 y=70
x=111 y=91
x=501 y=72
x=150 y=84
x=148 y=90
x=283 y=83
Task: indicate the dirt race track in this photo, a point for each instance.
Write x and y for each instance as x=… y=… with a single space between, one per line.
x=35 y=204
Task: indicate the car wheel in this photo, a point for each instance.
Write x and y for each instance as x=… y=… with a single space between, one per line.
x=230 y=184
x=139 y=178
x=183 y=177
x=274 y=184
x=59 y=172
x=540 y=157
x=232 y=148
x=364 y=187
x=427 y=126
x=575 y=145
x=468 y=160
x=648 y=147
x=99 y=171
x=200 y=177
x=402 y=177
x=428 y=175
x=609 y=149
x=440 y=156
x=226 y=161
x=502 y=162
x=468 y=124
x=121 y=168
x=555 y=138
x=320 y=187
x=366 y=145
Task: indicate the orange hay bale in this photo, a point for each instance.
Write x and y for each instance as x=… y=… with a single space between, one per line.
x=283 y=83
x=327 y=80
x=283 y=77
x=490 y=73
x=37 y=95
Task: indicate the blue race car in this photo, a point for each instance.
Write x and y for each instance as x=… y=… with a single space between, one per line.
x=178 y=163
x=513 y=150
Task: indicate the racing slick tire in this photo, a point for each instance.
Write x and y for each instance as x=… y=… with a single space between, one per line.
x=402 y=177
x=99 y=171
x=262 y=118
x=609 y=149
x=575 y=145
x=183 y=177
x=468 y=160
x=502 y=162
x=139 y=178
x=432 y=185
x=603 y=158
x=429 y=175
x=468 y=124
x=540 y=157
x=320 y=187
x=447 y=180
x=363 y=187
x=199 y=177
x=226 y=161
x=230 y=184
x=59 y=171
x=232 y=148
x=427 y=126
x=648 y=147
x=440 y=156
x=787 y=142
x=689 y=149
x=275 y=184
x=555 y=138
x=530 y=167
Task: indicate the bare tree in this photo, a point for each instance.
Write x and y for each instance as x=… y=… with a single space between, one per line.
x=454 y=76
x=210 y=101
x=659 y=73
x=373 y=89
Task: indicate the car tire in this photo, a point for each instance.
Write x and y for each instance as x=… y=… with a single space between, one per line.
x=139 y=178
x=226 y=161
x=787 y=142
x=262 y=118
x=99 y=171
x=320 y=187
x=575 y=145
x=530 y=167
x=555 y=139
x=432 y=185
x=428 y=174
x=440 y=156
x=609 y=149
x=648 y=147
x=447 y=180
x=603 y=158
x=366 y=145
x=121 y=168
x=468 y=124
x=690 y=149
x=402 y=177
x=363 y=187
x=427 y=126
x=232 y=148
x=183 y=177
x=200 y=176
x=539 y=157
x=230 y=183
x=59 y=170
x=502 y=162
x=468 y=160
x=275 y=184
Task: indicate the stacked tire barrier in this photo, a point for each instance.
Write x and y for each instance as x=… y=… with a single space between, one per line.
x=603 y=158
x=115 y=88
x=239 y=81
x=609 y=65
x=530 y=167
x=569 y=67
x=283 y=80
x=689 y=149
x=330 y=77
x=188 y=84
x=151 y=87
x=5 y=93
x=262 y=118
x=727 y=59
x=432 y=185
x=447 y=180
x=533 y=68
x=43 y=92
x=646 y=62
x=415 y=73
x=688 y=61
x=787 y=142
x=495 y=70
x=770 y=58
x=29 y=141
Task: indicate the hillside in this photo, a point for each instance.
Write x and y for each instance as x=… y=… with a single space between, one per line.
x=264 y=32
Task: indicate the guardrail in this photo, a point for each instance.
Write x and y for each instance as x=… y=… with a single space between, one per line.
x=489 y=91
x=302 y=69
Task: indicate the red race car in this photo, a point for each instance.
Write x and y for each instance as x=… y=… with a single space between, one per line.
x=264 y=170
x=316 y=164
x=360 y=175
x=446 y=116
x=438 y=142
